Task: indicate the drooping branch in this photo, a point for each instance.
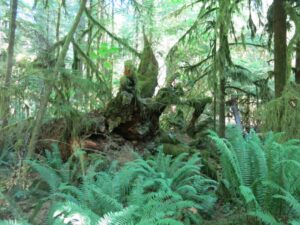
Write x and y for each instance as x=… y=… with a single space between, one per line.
x=191 y=67
x=57 y=44
x=202 y=14
x=119 y=40
x=249 y=44
x=188 y=32
x=241 y=90
x=183 y=8
x=90 y=63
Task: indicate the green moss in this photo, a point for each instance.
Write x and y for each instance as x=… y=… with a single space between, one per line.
x=147 y=72
x=175 y=150
x=283 y=114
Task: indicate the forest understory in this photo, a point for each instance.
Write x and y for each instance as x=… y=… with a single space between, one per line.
x=149 y=112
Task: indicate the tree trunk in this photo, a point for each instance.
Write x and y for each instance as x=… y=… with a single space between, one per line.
x=236 y=113
x=9 y=65
x=57 y=28
x=223 y=58
x=222 y=108
x=280 y=46
x=215 y=106
x=222 y=62
x=111 y=74
x=48 y=88
x=297 y=72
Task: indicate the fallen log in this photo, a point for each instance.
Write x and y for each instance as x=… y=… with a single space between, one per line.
x=132 y=116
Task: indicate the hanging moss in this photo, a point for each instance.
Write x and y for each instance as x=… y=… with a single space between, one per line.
x=283 y=114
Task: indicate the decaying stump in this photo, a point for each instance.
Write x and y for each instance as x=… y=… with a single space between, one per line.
x=133 y=114
x=147 y=71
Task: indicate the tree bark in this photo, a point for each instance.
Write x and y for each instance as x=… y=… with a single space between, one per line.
x=48 y=88
x=9 y=64
x=223 y=58
x=57 y=28
x=222 y=107
x=236 y=113
x=297 y=72
x=280 y=46
x=222 y=62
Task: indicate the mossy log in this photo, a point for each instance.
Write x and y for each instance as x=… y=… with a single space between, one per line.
x=127 y=115
x=137 y=118
x=133 y=114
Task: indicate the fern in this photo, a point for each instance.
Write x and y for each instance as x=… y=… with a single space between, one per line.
x=13 y=222
x=266 y=218
x=260 y=170
x=160 y=190
x=47 y=174
x=229 y=161
x=68 y=212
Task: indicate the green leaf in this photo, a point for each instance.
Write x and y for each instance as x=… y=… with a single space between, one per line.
x=94 y=56
x=247 y=194
x=107 y=65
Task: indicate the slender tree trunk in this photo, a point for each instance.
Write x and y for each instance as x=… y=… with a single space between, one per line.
x=222 y=107
x=215 y=83
x=100 y=17
x=297 y=72
x=89 y=71
x=44 y=99
x=222 y=80
x=57 y=28
x=76 y=60
x=9 y=64
x=280 y=46
x=112 y=57
x=236 y=113
x=223 y=58
x=137 y=32
x=48 y=27
x=215 y=106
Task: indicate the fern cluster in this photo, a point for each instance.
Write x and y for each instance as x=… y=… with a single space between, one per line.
x=160 y=190
x=12 y=222
x=262 y=171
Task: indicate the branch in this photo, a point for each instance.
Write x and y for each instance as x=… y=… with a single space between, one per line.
x=193 y=27
x=241 y=90
x=119 y=40
x=84 y=32
x=191 y=67
x=250 y=44
x=57 y=44
x=88 y=60
x=181 y=9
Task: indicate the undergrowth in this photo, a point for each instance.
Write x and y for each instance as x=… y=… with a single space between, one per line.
x=159 y=190
x=259 y=177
